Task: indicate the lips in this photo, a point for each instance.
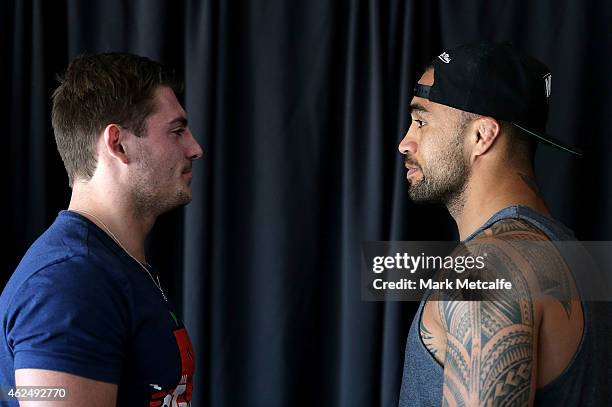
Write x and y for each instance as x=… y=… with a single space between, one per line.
x=412 y=169
x=187 y=173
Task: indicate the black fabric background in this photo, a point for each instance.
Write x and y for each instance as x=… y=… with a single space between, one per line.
x=299 y=106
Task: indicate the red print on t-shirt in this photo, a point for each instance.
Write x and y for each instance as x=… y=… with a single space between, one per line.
x=180 y=396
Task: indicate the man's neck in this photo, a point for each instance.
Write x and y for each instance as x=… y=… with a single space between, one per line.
x=486 y=196
x=115 y=217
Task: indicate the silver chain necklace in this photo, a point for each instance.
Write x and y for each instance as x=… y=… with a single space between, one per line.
x=112 y=235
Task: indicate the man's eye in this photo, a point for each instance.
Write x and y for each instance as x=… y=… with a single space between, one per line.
x=420 y=123
x=179 y=132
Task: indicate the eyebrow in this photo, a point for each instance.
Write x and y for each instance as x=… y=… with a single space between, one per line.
x=179 y=120
x=417 y=107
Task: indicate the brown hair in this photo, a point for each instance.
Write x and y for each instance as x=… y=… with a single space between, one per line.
x=97 y=90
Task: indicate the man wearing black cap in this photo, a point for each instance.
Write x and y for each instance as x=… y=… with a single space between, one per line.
x=477 y=114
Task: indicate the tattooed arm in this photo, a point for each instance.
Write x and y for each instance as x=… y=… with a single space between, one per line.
x=489 y=361
x=491 y=345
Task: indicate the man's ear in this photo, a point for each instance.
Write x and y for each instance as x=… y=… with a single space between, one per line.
x=114 y=139
x=484 y=132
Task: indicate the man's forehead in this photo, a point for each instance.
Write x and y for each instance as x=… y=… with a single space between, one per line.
x=166 y=103
x=426 y=79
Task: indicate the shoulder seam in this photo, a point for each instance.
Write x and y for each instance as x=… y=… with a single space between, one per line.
x=53 y=263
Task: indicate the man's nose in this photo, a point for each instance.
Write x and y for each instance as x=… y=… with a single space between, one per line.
x=408 y=145
x=195 y=151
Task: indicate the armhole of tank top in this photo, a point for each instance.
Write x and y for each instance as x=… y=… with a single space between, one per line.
x=419 y=322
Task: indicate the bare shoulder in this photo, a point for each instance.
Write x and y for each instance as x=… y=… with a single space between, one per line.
x=491 y=355
x=512 y=229
x=522 y=252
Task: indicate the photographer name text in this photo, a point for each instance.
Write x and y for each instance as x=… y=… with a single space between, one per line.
x=431 y=284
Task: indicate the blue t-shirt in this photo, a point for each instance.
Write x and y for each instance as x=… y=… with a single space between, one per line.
x=78 y=303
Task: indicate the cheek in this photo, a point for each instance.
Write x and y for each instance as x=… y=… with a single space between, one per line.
x=166 y=162
x=160 y=169
x=430 y=147
x=437 y=152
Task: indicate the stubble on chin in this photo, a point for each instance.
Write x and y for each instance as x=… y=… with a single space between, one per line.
x=147 y=201
x=444 y=178
x=154 y=196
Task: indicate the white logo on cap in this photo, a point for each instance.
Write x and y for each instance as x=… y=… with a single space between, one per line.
x=444 y=57
x=547 y=83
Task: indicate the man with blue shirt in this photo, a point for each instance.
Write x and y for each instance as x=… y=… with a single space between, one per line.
x=84 y=310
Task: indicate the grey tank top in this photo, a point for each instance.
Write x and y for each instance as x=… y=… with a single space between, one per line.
x=586 y=381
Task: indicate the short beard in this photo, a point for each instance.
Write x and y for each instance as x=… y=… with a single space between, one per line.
x=146 y=196
x=146 y=201
x=444 y=177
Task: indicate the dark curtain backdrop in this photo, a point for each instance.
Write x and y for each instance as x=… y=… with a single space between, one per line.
x=299 y=106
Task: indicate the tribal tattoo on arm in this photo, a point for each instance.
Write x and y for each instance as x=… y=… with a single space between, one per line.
x=490 y=356
x=490 y=353
x=428 y=340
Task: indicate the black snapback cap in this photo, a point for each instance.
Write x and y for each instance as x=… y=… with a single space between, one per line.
x=497 y=80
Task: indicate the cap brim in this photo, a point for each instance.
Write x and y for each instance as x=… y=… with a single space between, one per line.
x=545 y=138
